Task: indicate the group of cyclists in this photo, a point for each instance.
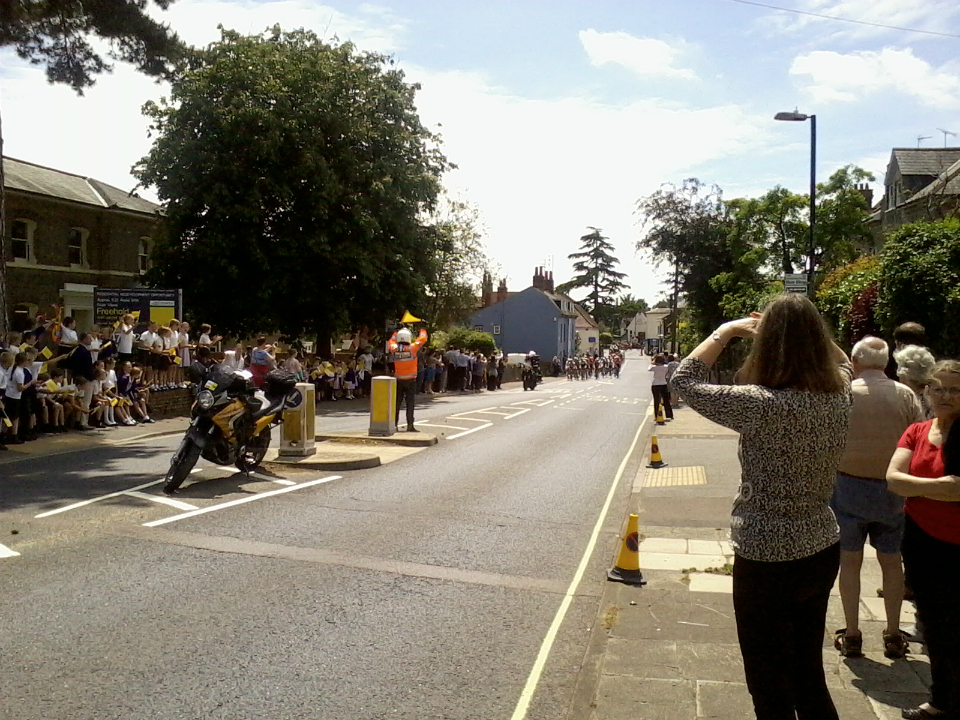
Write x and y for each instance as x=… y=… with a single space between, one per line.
x=585 y=367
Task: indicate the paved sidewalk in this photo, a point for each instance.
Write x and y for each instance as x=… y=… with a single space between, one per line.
x=670 y=651
x=76 y=440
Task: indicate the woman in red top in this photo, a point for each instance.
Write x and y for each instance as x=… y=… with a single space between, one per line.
x=924 y=470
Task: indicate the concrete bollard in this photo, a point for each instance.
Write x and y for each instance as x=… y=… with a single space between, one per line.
x=299 y=429
x=383 y=406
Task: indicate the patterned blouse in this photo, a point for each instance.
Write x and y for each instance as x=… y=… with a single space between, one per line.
x=790 y=444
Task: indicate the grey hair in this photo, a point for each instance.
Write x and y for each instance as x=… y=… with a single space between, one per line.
x=915 y=363
x=871 y=352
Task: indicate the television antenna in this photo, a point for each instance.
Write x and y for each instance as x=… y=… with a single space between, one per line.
x=945 y=133
x=921 y=138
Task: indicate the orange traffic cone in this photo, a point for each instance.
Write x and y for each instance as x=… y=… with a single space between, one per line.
x=655 y=460
x=661 y=420
x=627 y=569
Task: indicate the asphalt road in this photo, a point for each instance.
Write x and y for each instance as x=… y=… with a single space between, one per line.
x=422 y=589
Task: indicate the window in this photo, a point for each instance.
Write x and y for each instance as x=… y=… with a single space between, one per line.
x=143 y=254
x=478 y=328
x=21 y=240
x=496 y=329
x=77 y=247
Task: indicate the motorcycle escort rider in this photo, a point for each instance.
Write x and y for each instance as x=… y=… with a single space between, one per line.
x=403 y=353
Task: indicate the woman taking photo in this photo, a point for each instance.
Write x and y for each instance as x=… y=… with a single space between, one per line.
x=925 y=469
x=791 y=407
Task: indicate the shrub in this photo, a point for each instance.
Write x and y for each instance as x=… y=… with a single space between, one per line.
x=919 y=281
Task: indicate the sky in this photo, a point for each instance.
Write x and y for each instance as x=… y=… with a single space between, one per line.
x=561 y=114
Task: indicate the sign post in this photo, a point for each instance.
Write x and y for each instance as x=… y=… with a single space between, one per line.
x=795 y=283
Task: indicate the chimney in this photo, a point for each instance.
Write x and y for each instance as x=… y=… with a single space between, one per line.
x=549 y=281
x=486 y=290
x=867 y=194
x=539 y=281
x=501 y=291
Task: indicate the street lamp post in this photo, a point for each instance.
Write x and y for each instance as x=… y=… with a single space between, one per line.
x=800 y=117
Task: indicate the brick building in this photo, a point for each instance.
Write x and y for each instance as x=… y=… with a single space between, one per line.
x=67 y=234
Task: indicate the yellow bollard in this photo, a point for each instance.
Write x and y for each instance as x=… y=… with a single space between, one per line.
x=383 y=406
x=627 y=569
x=299 y=430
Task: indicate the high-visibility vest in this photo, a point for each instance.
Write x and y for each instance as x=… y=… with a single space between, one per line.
x=405 y=356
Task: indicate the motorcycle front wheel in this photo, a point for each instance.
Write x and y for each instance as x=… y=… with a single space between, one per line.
x=182 y=463
x=254 y=452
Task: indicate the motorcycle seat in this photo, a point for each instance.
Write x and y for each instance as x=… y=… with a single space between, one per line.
x=269 y=406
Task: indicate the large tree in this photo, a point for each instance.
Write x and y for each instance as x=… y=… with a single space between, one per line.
x=57 y=34
x=595 y=270
x=295 y=177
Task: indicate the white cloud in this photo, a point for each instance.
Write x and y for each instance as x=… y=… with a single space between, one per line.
x=848 y=77
x=543 y=170
x=373 y=28
x=931 y=15
x=647 y=57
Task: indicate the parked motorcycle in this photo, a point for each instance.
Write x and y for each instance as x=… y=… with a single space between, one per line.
x=230 y=425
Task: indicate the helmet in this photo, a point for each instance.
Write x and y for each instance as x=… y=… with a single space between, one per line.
x=404 y=336
x=532 y=353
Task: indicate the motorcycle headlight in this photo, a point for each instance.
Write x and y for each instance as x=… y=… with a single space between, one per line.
x=205 y=399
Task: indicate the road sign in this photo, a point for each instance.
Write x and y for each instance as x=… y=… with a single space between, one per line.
x=795 y=282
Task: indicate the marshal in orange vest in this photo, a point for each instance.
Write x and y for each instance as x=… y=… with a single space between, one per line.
x=405 y=356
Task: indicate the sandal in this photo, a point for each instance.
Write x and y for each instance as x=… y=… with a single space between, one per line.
x=895 y=645
x=848 y=645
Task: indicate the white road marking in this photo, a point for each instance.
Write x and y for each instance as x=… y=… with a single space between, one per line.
x=97 y=499
x=6 y=552
x=525 y=410
x=486 y=412
x=471 y=430
x=523 y=704
x=448 y=427
x=461 y=418
x=492 y=407
x=241 y=501
x=161 y=499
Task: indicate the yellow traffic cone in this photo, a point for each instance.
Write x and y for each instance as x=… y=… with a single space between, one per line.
x=655 y=460
x=661 y=420
x=627 y=569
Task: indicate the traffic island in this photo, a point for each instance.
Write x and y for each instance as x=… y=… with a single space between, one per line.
x=328 y=456
x=407 y=439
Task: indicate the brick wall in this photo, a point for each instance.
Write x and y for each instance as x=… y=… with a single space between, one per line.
x=171 y=403
x=112 y=248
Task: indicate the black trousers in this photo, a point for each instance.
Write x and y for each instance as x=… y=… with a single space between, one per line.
x=781 y=610
x=931 y=569
x=406 y=391
x=662 y=395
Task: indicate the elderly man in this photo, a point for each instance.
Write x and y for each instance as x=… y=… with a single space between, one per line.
x=882 y=410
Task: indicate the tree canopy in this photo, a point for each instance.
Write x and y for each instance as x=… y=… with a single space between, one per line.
x=595 y=268
x=57 y=34
x=460 y=261
x=295 y=177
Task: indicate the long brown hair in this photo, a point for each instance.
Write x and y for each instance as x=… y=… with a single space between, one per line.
x=792 y=349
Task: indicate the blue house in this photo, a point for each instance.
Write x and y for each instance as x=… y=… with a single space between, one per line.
x=533 y=319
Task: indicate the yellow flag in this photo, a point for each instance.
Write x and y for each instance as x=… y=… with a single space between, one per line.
x=43 y=368
x=24 y=347
x=178 y=360
x=408 y=318
x=46 y=353
x=52 y=386
x=113 y=402
x=6 y=421
x=136 y=314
